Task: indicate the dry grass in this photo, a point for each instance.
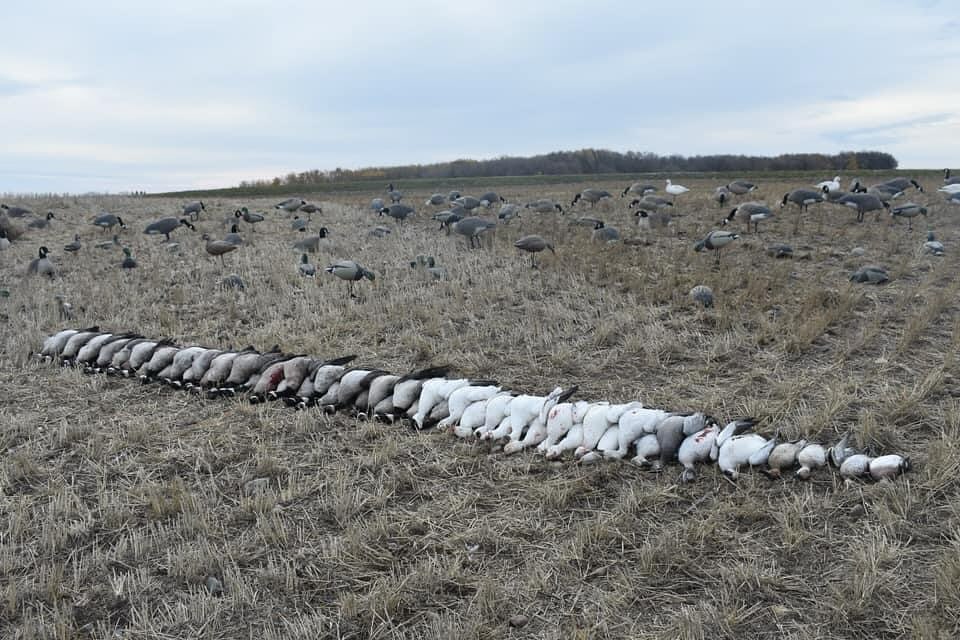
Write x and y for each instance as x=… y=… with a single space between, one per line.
x=119 y=503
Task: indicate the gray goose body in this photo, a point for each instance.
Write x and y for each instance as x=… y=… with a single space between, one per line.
x=15 y=211
x=398 y=212
x=473 y=228
x=165 y=226
x=863 y=202
x=193 y=209
x=41 y=223
x=715 y=241
x=909 y=210
x=533 y=244
x=108 y=221
x=41 y=265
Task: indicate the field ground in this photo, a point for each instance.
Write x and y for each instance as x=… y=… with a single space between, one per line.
x=118 y=502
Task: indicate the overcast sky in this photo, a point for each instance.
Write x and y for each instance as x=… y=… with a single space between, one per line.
x=114 y=96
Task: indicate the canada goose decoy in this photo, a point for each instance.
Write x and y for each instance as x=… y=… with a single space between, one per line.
x=218 y=247
x=234 y=236
x=310 y=208
x=803 y=198
x=779 y=250
x=950 y=189
x=305 y=268
x=639 y=189
x=508 y=212
x=857 y=186
x=948 y=180
x=544 y=206
x=473 y=229
x=290 y=204
x=394 y=194
x=448 y=218
x=753 y=212
x=311 y=244
x=586 y=221
x=675 y=189
x=650 y=203
x=41 y=264
x=829 y=185
x=603 y=233
x=429 y=266
x=720 y=195
x=885 y=192
x=932 y=245
x=41 y=223
x=108 y=221
x=889 y=466
x=232 y=281
x=715 y=241
x=741 y=187
x=468 y=202
x=533 y=245
x=166 y=226
x=128 y=261
x=870 y=274
x=64 y=307
x=593 y=196
x=902 y=184
x=863 y=202
x=250 y=218
x=490 y=197
x=398 y=212
x=703 y=295
x=15 y=211
x=193 y=209
x=4 y=240
x=909 y=211
x=74 y=246
x=351 y=272
x=436 y=199
x=299 y=224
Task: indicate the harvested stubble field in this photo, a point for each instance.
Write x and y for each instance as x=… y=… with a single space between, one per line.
x=118 y=501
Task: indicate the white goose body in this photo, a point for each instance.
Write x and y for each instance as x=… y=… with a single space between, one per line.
x=497 y=409
x=605 y=447
x=560 y=421
x=830 y=185
x=743 y=450
x=675 y=189
x=471 y=419
x=432 y=393
x=696 y=448
x=647 y=448
x=595 y=424
x=855 y=466
x=636 y=422
x=530 y=412
x=888 y=467
x=811 y=457
x=463 y=397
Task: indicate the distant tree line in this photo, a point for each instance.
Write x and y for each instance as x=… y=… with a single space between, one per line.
x=595 y=161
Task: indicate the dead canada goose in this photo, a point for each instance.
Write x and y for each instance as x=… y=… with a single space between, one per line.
x=533 y=244
x=218 y=247
x=166 y=226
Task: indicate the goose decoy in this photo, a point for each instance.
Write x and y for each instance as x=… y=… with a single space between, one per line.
x=948 y=180
x=489 y=198
x=932 y=245
x=394 y=194
x=108 y=221
x=128 y=261
x=473 y=228
x=884 y=192
x=863 y=202
x=593 y=196
x=290 y=204
x=447 y=218
x=779 y=250
x=379 y=232
x=429 y=266
x=703 y=295
x=250 y=218
x=803 y=198
x=909 y=211
x=453 y=195
x=299 y=224
x=650 y=203
x=64 y=307
x=950 y=189
x=954 y=199
x=41 y=223
x=311 y=244
x=715 y=241
x=586 y=221
x=675 y=189
x=436 y=200
x=377 y=204
x=870 y=274
x=508 y=212
x=15 y=211
x=720 y=195
x=74 y=246
x=468 y=202
x=166 y=226
x=889 y=466
x=828 y=186
x=753 y=212
x=533 y=244
x=857 y=186
x=310 y=208
x=398 y=212
x=603 y=233
x=218 y=247
x=193 y=209
x=544 y=206
x=741 y=187
x=639 y=189
x=41 y=264
x=234 y=236
x=4 y=240
x=902 y=184
x=109 y=244
x=351 y=272
x=305 y=268
x=810 y=458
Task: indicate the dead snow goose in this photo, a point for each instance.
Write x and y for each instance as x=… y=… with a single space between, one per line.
x=810 y=458
x=750 y=449
x=889 y=466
